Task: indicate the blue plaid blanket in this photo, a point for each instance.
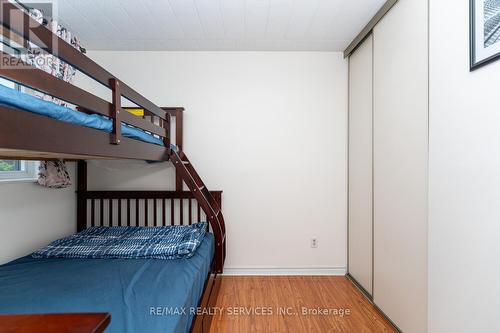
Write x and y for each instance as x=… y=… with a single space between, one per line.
x=171 y=242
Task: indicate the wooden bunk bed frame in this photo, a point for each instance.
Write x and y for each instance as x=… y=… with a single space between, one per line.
x=27 y=136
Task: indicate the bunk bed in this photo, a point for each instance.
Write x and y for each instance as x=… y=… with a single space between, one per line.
x=32 y=129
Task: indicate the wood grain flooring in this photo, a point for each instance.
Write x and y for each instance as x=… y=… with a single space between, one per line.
x=294 y=304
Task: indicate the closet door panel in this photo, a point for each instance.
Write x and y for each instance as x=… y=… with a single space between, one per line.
x=360 y=164
x=400 y=164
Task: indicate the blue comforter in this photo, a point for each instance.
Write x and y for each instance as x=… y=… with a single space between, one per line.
x=15 y=98
x=167 y=242
x=138 y=293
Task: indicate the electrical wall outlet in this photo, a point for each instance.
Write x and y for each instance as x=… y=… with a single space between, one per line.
x=314 y=243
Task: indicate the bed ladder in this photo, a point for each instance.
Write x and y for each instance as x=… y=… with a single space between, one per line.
x=211 y=208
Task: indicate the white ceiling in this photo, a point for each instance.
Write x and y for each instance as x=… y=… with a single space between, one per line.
x=197 y=25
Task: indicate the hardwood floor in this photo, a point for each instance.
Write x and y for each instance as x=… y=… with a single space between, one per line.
x=294 y=304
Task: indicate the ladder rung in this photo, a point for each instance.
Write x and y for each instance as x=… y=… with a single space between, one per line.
x=192 y=177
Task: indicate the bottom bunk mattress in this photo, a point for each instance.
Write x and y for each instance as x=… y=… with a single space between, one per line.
x=142 y=295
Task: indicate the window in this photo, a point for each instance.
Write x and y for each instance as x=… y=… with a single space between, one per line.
x=18 y=170
x=9 y=169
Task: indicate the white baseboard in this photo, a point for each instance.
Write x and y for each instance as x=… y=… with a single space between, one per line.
x=274 y=270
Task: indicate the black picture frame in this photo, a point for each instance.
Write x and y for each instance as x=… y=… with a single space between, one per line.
x=476 y=64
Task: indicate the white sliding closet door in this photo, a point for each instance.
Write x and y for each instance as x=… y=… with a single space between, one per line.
x=360 y=164
x=400 y=164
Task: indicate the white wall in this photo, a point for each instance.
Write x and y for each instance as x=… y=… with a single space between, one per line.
x=464 y=215
x=270 y=129
x=32 y=216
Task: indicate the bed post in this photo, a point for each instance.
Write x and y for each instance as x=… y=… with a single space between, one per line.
x=218 y=198
x=178 y=141
x=166 y=124
x=116 y=134
x=81 y=201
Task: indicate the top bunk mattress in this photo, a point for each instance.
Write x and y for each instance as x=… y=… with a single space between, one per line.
x=14 y=98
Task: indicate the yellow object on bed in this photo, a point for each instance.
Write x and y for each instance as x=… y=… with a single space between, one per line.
x=136 y=112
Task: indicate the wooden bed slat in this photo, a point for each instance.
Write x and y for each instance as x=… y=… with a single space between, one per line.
x=92 y=213
x=119 y=212
x=128 y=212
x=146 y=211
x=82 y=204
x=137 y=212
x=164 y=212
x=190 y=211
x=181 y=205
x=155 y=212
x=199 y=213
x=110 y=212
x=172 y=212
x=101 y=212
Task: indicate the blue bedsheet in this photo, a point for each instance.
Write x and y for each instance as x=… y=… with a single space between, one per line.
x=15 y=98
x=137 y=292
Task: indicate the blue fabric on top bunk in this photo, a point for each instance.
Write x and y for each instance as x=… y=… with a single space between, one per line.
x=141 y=294
x=15 y=98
